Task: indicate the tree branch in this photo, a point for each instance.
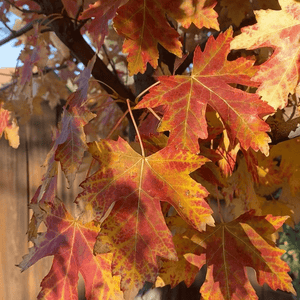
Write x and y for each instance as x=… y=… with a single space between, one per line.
x=14 y=34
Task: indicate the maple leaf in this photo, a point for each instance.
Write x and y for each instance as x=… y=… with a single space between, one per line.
x=135 y=230
x=163 y=176
x=45 y=193
x=228 y=155
x=203 y=15
x=78 y=98
x=71 y=243
x=274 y=29
x=100 y=12
x=231 y=247
x=143 y=24
x=186 y=99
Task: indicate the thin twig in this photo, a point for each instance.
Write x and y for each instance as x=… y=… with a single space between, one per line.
x=23 y=30
x=90 y=167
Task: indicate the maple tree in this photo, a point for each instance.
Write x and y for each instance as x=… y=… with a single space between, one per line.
x=201 y=168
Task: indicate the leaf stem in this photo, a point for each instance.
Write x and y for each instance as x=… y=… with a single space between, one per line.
x=136 y=128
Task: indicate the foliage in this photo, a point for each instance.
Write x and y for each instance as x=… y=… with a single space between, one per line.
x=200 y=169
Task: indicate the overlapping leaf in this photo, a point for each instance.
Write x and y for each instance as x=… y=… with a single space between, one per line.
x=186 y=99
x=144 y=25
x=231 y=247
x=72 y=244
x=281 y=31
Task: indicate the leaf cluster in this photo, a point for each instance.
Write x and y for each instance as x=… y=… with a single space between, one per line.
x=201 y=168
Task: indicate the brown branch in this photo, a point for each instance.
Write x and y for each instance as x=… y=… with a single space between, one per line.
x=14 y=34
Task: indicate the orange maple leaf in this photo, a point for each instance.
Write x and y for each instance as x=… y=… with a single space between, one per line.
x=144 y=25
x=163 y=176
x=136 y=233
x=135 y=230
x=203 y=14
x=231 y=247
x=186 y=99
x=174 y=272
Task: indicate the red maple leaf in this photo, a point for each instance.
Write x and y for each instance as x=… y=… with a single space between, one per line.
x=231 y=247
x=186 y=99
x=72 y=244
